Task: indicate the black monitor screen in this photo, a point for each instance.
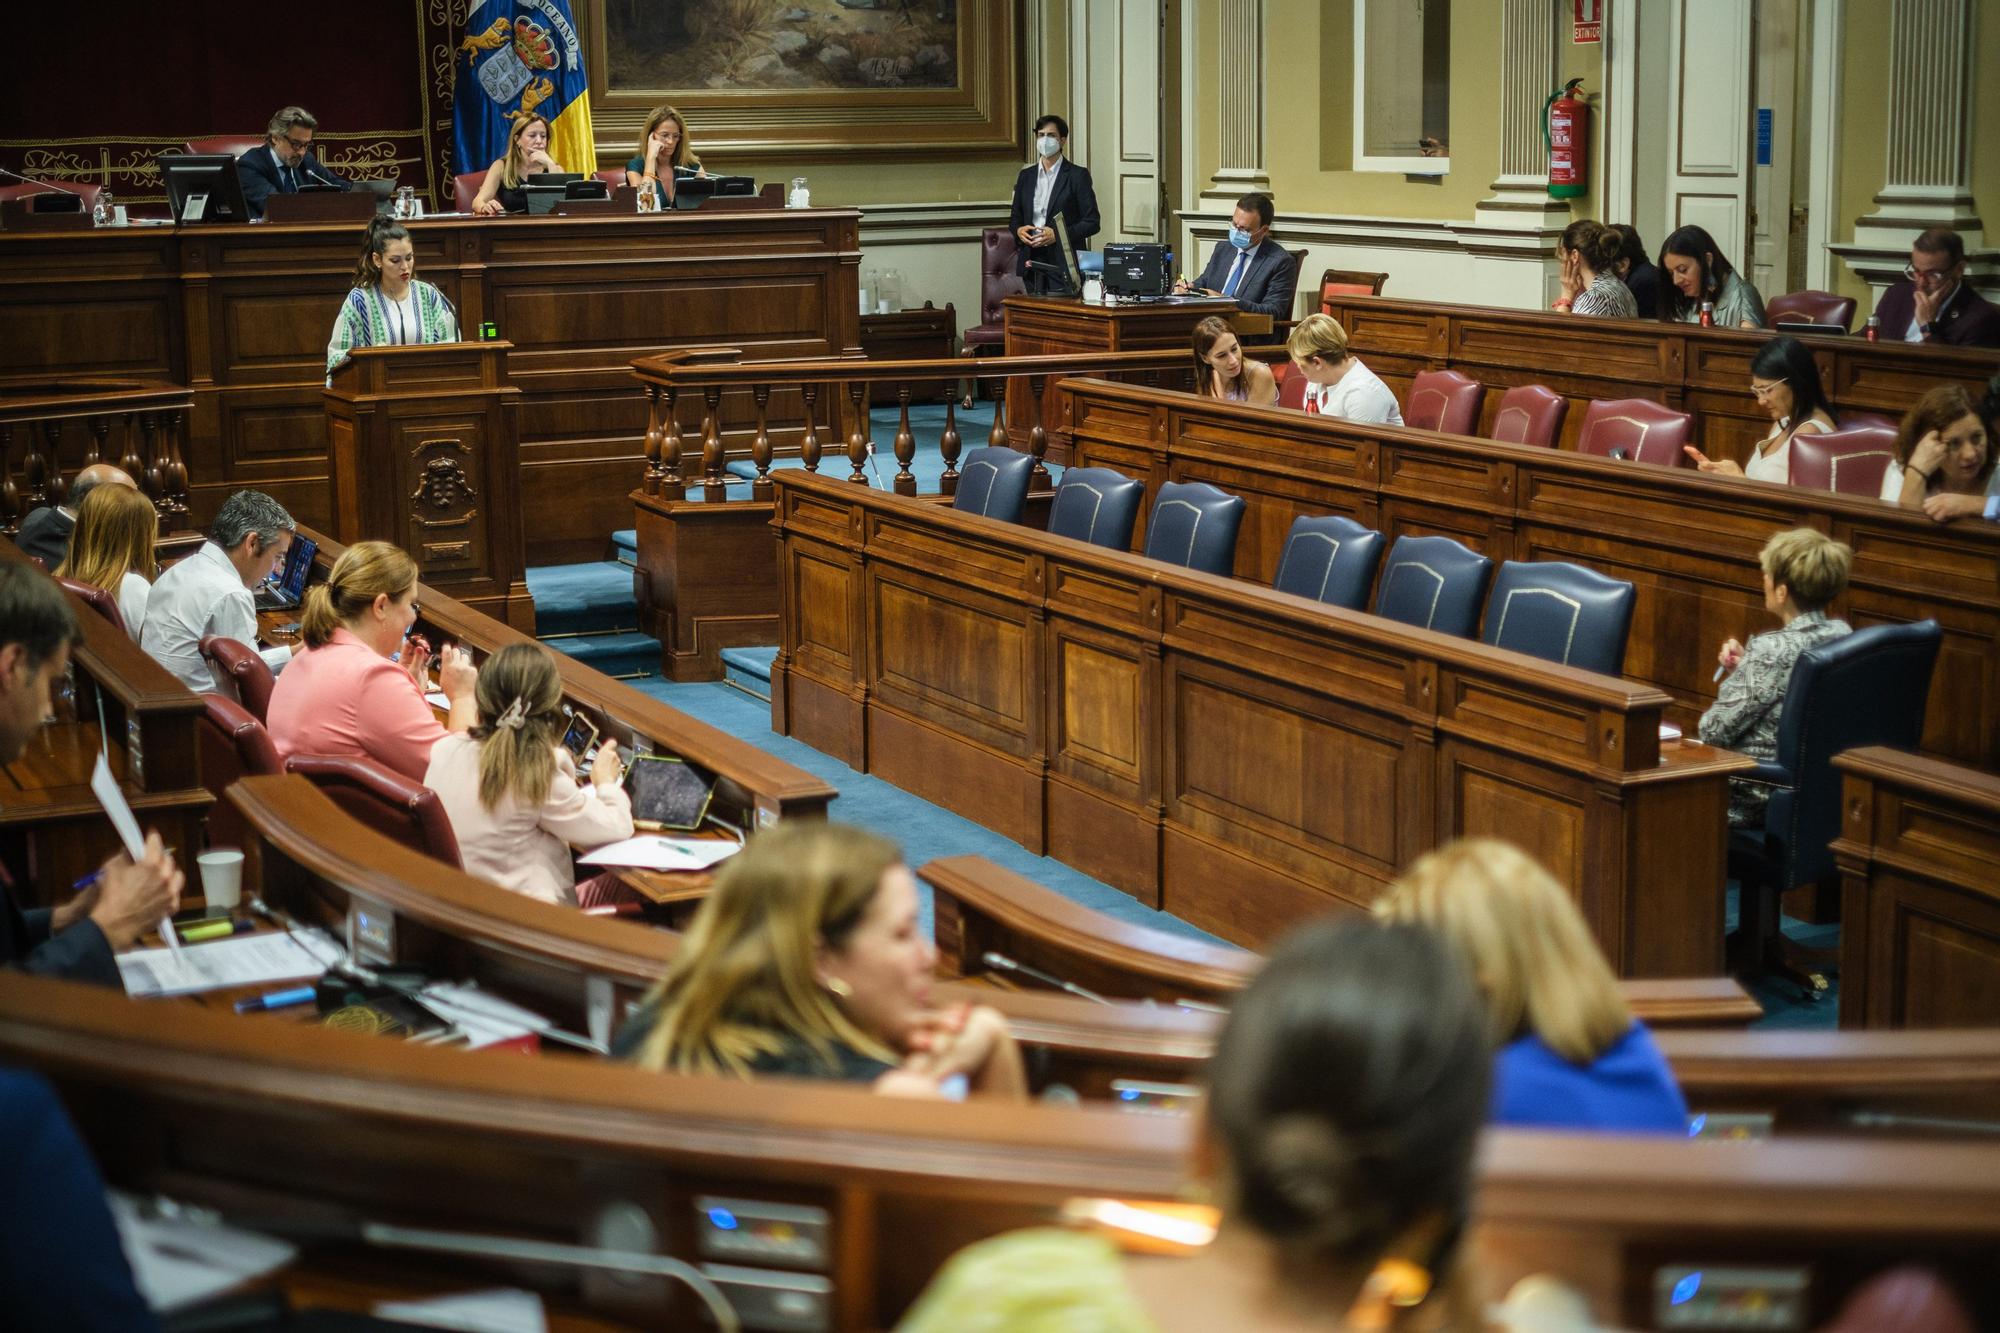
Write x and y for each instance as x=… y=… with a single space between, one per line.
x=203 y=187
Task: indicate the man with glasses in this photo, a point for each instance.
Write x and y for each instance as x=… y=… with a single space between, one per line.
x=1934 y=304
x=284 y=164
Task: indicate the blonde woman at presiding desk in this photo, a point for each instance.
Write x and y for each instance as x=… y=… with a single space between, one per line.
x=112 y=549
x=504 y=189
x=510 y=789
x=1337 y=384
x=346 y=694
x=1222 y=371
x=806 y=961
x=1343 y=1106
x=664 y=156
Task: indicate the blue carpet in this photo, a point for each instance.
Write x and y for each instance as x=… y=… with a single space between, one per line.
x=749 y=670
x=590 y=598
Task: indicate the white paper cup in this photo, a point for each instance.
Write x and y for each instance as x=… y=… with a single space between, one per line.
x=221 y=878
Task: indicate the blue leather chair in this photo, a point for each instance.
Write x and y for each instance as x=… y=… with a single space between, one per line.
x=1560 y=611
x=994 y=482
x=1098 y=505
x=1433 y=583
x=1330 y=560
x=1865 y=688
x=1194 y=524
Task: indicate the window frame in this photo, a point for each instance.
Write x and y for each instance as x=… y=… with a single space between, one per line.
x=1412 y=165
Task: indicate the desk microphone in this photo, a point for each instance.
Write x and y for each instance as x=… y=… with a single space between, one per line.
x=1060 y=270
x=1001 y=962
x=57 y=186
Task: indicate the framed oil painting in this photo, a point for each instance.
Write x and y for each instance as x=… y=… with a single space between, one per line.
x=799 y=78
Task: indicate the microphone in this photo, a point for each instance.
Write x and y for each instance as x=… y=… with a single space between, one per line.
x=56 y=186
x=1002 y=963
x=1060 y=270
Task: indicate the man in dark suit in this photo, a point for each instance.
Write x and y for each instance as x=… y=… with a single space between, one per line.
x=1252 y=269
x=1046 y=189
x=1933 y=303
x=45 y=532
x=78 y=938
x=285 y=162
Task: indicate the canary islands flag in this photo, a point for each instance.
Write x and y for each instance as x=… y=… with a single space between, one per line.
x=520 y=58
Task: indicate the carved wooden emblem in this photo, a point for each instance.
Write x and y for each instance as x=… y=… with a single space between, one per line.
x=444 y=495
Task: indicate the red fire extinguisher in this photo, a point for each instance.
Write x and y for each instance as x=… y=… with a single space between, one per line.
x=1566 y=126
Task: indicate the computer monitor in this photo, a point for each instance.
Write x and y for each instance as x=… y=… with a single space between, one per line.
x=551 y=177
x=203 y=187
x=1074 y=274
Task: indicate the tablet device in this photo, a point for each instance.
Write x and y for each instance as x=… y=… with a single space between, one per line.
x=667 y=793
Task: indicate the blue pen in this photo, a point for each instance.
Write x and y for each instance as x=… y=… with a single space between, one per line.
x=86 y=881
x=277 y=999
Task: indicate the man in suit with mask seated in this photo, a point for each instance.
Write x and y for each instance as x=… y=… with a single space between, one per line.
x=1253 y=270
x=285 y=163
x=1048 y=188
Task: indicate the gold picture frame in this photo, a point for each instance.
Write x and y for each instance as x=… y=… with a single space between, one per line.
x=842 y=101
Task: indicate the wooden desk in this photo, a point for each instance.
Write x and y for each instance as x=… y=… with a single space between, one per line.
x=1688 y=543
x=1239 y=757
x=240 y=314
x=1705 y=372
x=978 y=906
x=1058 y=325
x=1919 y=857
x=271 y=1122
x=52 y=829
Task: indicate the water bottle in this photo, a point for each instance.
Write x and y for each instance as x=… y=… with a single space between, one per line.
x=1708 y=314
x=105 y=212
x=649 y=196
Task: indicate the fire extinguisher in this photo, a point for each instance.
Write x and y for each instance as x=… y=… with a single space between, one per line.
x=1566 y=127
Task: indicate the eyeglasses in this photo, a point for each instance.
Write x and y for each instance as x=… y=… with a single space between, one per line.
x=1765 y=390
x=298 y=146
x=1915 y=274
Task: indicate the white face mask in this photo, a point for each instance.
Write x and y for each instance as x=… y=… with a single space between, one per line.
x=1048 y=145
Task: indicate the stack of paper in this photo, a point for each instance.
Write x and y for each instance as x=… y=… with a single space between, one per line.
x=243 y=960
x=651 y=852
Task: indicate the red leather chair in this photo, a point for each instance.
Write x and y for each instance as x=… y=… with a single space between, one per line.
x=1850 y=460
x=1903 y=1300
x=465 y=189
x=236 y=145
x=387 y=802
x=1811 y=307
x=232 y=745
x=1444 y=400
x=1347 y=282
x=89 y=192
x=614 y=177
x=1634 y=428
x=106 y=605
x=241 y=668
x=997 y=281
x=1529 y=414
x=1291 y=385
x=1872 y=420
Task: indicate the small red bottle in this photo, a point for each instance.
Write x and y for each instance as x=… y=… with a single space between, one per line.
x=1708 y=314
x=1874 y=329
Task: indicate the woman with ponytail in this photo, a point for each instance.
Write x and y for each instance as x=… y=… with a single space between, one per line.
x=358 y=688
x=1344 y=1101
x=510 y=787
x=388 y=305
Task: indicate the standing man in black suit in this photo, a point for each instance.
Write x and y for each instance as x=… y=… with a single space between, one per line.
x=1046 y=189
x=1253 y=270
x=1933 y=303
x=285 y=162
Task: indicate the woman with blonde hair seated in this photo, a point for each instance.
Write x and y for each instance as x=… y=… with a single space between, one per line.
x=1569 y=1053
x=358 y=688
x=1343 y=1106
x=112 y=549
x=665 y=156
x=1337 y=384
x=505 y=188
x=806 y=961
x=510 y=788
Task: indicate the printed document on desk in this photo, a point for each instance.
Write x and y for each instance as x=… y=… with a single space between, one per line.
x=648 y=852
x=245 y=960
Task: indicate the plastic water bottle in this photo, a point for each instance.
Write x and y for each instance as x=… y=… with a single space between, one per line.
x=106 y=210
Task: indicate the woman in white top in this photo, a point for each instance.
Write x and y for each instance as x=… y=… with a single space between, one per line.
x=1337 y=384
x=112 y=549
x=1786 y=383
x=1944 y=457
x=510 y=788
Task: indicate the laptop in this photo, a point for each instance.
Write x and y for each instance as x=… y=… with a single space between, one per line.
x=286 y=587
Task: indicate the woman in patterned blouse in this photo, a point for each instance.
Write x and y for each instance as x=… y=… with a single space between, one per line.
x=388 y=304
x=1804 y=571
x=1588 y=252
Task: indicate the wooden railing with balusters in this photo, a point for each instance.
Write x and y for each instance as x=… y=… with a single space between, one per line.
x=150 y=418
x=707 y=577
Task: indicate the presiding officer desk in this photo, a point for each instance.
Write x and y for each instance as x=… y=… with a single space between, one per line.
x=1687 y=542
x=1239 y=757
x=241 y=315
x=318 y=1132
x=52 y=829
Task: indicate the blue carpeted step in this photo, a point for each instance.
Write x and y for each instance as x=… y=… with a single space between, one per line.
x=583 y=599
x=629 y=654
x=625 y=546
x=749 y=670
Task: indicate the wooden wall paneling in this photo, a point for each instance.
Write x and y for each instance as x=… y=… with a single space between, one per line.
x=1919 y=856
x=81 y=304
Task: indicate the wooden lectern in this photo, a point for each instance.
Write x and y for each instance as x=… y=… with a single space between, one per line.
x=423 y=444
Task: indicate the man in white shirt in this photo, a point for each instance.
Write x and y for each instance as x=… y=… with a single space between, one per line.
x=209 y=592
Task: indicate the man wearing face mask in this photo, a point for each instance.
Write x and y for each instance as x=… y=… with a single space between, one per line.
x=1253 y=270
x=1049 y=188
